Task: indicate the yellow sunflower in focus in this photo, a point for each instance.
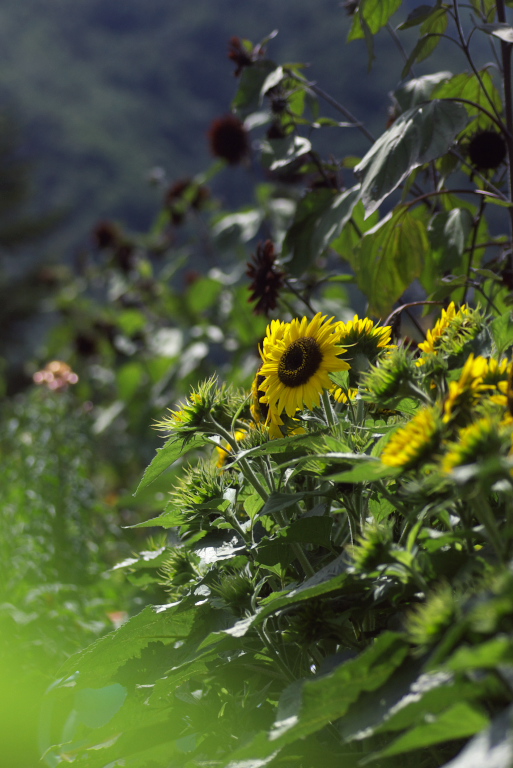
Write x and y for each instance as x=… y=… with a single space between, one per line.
x=261 y=413
x=297 y=359
x=414 y=441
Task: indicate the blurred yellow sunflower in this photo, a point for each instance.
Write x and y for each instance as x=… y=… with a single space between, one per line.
x=297 y=359
x=224 y=451
x=452 y=329
x=466 y=392
x=414 y=441
x=363 y=337
x=482 y=439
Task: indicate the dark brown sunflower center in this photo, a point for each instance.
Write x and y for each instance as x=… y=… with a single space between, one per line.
x=299 y=362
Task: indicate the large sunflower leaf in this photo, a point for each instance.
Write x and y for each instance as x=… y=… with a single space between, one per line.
x=457 y=722
x=481 y=90
x=99 y=661
x=391 y=257
x=248 y=98
x=309 y=705
x=419 y=135
x=319 y=220
x=492 y=747
x=431 y=31
x=419 y=89
x=376 y=14
x=175 y=447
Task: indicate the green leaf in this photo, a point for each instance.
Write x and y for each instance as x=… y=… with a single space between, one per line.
x=502 y=332
x=419 y=89
x=271 y=81
x=501 y=30
x=320 y=218
x=492 y=747
x=480 y=90
x=279 y=153
x=431 y=30
x=129 y=378
x=232 y=229
x=131 y=321
x=175 y=447
x=366 y=472
x=311 y=530
x=376 y=14
x=278 y=501
x=309 y=705
x=448 y=233
x=487 y=655
x=248 y=98
x=391 y=258
x=348 y=242
x=99 y=662
x=487 y=7
x=97 y=706
x=203 y=294
x=418 y=136
x=417 y=16
x=170 y=518
x=457 y=722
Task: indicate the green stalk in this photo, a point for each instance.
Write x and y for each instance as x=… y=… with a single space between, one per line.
x=253 y=480
x=327 y=406
x=486 y=517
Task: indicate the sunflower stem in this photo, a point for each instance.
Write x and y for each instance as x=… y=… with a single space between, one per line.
x=329 y=413
x=245 y=466
x=486 y=517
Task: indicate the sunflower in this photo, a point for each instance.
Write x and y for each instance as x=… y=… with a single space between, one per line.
x=465 y=393
x=451 y=331
x=365 y=342
x=414 y=441
x=364 y=337
x=344 y=396
x=261 y=412
x=297 y=359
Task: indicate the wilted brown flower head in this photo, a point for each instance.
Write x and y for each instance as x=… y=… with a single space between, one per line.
x=229 y=139
x=56 y=376
x=106 y=234
x=267 y=280
x=351 y=7
x=239 y=54
x=487 y=149
x=182 y=194
x=276 y=131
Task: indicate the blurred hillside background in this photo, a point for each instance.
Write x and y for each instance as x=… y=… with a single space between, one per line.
x=99 y=97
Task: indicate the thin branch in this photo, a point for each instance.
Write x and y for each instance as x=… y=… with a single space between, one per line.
x=508 y=108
